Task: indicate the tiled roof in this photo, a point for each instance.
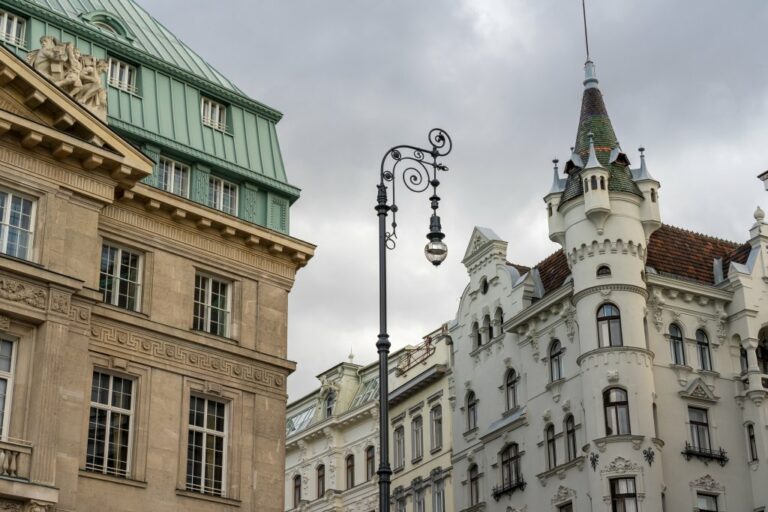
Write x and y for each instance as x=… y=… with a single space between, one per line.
x=672 y=251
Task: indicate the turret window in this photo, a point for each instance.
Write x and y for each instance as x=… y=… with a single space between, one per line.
x=593 y=182
x=616 y=404
x=677 y=345
x=653 y=195
x=702 y=347
x=602 y=183
x=549 y=209
x=751 y=443
x=586 y=185
x=556 y=361
x=603 y=270
x=609 y=326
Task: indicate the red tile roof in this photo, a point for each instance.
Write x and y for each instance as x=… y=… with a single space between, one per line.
x=672 y=251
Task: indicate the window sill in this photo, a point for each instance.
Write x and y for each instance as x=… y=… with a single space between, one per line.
x=398 y=470
x=470 y=433
x=214 y=336
x=118 y=309
x=416 y=460
x=561 y=469
x=112 y=478
x=637 y=441
x=133 y=94
x=435 y=450
x=208 y=497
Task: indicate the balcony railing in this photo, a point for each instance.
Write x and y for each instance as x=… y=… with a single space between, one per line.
x=706 y=454
x=508 y=488
x=15 y=457
x=413 y=356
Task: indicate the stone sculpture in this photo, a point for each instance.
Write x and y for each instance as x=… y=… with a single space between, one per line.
x=76 y=74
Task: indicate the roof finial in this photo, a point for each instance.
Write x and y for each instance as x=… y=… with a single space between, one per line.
x=351 y=356
x=558 y=185
x=590 y=75
x=592 y=161
x=555 y=161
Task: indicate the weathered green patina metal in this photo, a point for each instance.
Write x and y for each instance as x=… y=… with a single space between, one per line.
x=163 y=115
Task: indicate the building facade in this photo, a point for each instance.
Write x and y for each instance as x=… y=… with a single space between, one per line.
x=628 y=371
x=142 y=324
x=332 y=446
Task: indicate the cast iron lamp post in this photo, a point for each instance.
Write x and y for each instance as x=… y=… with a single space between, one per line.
x=419 y=169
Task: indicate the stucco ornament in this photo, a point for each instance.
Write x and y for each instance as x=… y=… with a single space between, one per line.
x=563 y=493
x=707 y=483
x=77 y=74
x=621 y=465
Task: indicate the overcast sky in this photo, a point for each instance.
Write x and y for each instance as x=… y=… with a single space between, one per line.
x=686 y=79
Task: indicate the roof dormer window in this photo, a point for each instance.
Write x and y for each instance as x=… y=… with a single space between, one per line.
x=13 y=29
x=121 y=75
x=108 y=23
x=214 y=114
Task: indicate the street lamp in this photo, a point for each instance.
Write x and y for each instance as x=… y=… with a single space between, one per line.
x=419 y=169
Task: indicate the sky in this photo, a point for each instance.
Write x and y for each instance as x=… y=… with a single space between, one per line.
x=686 y=79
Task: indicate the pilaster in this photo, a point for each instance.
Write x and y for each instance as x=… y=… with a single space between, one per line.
x=198 y=187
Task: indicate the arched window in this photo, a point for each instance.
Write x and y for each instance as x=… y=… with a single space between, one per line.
x=320 y=481
x=488 y=328
x=616 y=405
x=570 y=437
x=751 y=442
x=476 y=340
x=603 y=270
x=653 y=195
x=330 y=399
x=471 y=411
x=296 y=491
x=474 y=485
x=609 y=326
x=743 y=361
x=555 y=361
x=762 y=355
x=593 y=183
x=510 y=466
x=436 y=427
x=602 y=182
x=350 y=471
x=511 y=389
x=702 y=347
x=586 y=185
x=417 y=438
x=677 y=343
x=498 y=319
x=551 y=448
x=370 y=463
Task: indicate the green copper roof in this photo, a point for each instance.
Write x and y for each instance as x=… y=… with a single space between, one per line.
x=150 y=35
x=594 y=119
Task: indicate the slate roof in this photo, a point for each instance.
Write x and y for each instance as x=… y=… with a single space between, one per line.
x=672 y=251
x=150 y=35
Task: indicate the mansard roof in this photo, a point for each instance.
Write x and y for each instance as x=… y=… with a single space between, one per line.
x=672 y=251
x=146 y=33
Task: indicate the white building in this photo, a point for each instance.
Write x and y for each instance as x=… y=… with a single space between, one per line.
x=332 y=446
x=626 y=372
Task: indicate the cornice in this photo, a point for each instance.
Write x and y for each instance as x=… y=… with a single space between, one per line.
x=538 y=307
x=665 y=282
x=141 y=57
x=610 y=288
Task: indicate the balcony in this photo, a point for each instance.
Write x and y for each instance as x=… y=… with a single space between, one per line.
x=15 y=458
x=414 y=356
x=508 y=488
x=705 y=454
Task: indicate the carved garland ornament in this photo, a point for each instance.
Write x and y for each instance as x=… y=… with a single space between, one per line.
x=562 y=494
x=621 y=465
x=707 y=483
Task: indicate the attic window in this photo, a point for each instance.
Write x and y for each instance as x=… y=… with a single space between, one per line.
x=13 y=29
x=106 y=27
x=108 y=23
x=214 y=114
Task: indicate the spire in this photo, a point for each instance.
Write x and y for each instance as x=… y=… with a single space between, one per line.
x=592 y=161
x=642 y=173
x=558 y=185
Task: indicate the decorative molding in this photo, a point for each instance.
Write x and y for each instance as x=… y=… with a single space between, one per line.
x=707 y=483
x=184 y=356
x=610 y=287
x=621 y=465
x=698 y=390
x=563 y=494
x=10 y=506
x=5 y=324
x=26 y=293
x=59 y=303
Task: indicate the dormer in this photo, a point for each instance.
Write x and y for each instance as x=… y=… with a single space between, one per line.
x=108 y=23
x=484 y=253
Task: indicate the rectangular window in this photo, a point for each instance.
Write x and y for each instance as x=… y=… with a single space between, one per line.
x=420 y=500
x=6 y=383
x=417 y=438
x=16 y=220
x=121 y=75
x=211 y=305
x=214 y=114
x=706 y=502
x=222 y=195
x=438 y=496
x=400 y=505
x=120 y=277
x=110 y=425
x=751 y=442
x=436 y=421
x=699 y=422
x=623 y=495
x=568 y=507
x=13 y=28
x=399 y=445
x=173 y=177
x=206 y=446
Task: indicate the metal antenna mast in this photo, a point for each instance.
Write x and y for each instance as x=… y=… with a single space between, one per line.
x=586 y=34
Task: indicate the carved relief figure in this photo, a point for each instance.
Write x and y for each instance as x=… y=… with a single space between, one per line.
x=77 y=74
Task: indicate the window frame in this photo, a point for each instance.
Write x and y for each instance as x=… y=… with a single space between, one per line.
x=207 y=306
x=752 y=443
x=571 y=447
x=417 y=438
x=10 y=380
x=616 y=406
x=703 y=349
x=296 y=491
x=438 y=495
x=556 y=361
x=436 y=427
x=173 y=167
x=471 y=411
x=5 y=225
x=510 y=389
x=370 y=463
x=698 y=427
x=217 y=202
x=398 y=446
x=349 y=470
x=328 y=404
x=219 y=124
x=616 y=496
x=224 y=434
x=510 y=465
x=715 y=497
x=607 y=319
x=677 y=345
x=474 y=484
x=115 y=301
x=110 y=409
x=477 y=340
x=131 y=70
x=320 y=475
x=551 y=443
x=20 y=24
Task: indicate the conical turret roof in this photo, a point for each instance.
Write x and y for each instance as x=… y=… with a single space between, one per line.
x=594 y=122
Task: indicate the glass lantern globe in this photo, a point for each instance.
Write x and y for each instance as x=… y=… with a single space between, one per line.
x=435 y=251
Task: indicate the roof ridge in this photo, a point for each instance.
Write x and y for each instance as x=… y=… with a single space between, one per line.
x=537 y=265
x=704 y=235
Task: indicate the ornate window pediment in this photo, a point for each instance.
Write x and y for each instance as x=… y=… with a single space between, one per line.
x=698 y=390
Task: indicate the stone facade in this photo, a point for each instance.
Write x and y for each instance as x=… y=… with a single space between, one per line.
x=339 y=423
x=122 y=307
x=628 y=369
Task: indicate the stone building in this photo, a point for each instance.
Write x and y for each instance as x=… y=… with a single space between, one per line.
x=142 y=322
x=332 y=445
x=626 y=372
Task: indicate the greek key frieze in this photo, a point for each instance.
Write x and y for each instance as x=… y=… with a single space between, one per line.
x=181 y=355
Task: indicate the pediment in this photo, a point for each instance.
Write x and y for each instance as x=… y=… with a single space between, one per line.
x=35 y=113
x=698 y=390
x=479 y=239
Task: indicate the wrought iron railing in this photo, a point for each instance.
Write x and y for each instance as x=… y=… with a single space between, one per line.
x=413 y=356
x=706 y=454
x=508 y=488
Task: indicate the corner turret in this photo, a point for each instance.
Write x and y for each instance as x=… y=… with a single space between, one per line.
x=649 y=209
x=594 y=177
x=554 y=216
